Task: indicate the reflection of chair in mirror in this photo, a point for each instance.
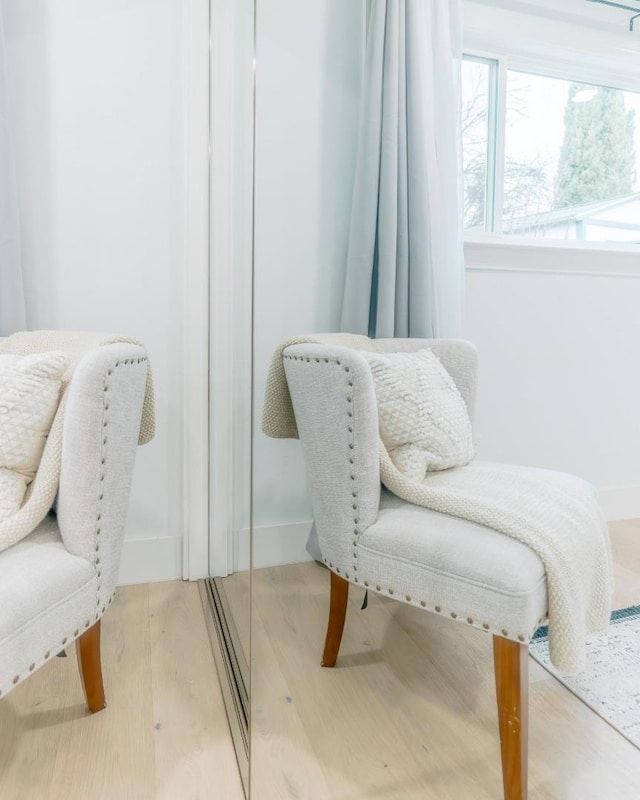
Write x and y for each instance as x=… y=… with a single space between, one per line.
x=455 y=568
x=56 y=584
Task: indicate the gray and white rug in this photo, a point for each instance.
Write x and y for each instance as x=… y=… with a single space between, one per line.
x=610 y=684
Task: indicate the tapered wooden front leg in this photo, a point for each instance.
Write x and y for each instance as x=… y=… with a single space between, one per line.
x=511 y=661
x=337 y=614
x=88 y=650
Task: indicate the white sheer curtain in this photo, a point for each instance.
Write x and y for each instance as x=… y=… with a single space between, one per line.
x=12 y=308
x=405 y=269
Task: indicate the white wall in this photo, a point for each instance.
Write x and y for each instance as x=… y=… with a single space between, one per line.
x=309 y=70
x=98 y=113
x=559 y=376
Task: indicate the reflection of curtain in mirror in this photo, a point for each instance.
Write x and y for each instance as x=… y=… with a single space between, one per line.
x=405 y=267
x=12 y=312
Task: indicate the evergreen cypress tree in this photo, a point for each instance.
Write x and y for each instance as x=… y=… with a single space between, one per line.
x=597 y=159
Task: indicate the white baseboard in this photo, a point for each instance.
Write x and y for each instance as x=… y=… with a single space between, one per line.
x=620 y=503
x=150 y=560
x=273 y=545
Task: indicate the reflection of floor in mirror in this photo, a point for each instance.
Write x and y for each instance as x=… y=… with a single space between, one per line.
x=164 y=732
x=236 y=588
x=409 y=711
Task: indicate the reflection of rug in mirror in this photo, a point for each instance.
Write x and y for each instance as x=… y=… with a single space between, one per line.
x=610 y=684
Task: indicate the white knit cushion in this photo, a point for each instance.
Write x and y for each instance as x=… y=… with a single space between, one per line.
x=29 y=395
x=423 y=419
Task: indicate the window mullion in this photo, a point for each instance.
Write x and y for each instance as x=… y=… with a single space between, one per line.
x=496 y=146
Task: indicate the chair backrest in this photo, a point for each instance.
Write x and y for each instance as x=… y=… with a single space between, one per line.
x=100 y=437
x=336 y=414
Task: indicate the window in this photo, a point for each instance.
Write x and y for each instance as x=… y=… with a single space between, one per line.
x=549 y=158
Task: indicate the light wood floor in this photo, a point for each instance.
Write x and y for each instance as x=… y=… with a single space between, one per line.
x=409 y=711
x=164 y=732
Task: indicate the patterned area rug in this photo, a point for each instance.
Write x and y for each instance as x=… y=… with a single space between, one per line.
x=610 y=684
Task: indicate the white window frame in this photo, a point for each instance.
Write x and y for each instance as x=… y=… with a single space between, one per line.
x=487 y=250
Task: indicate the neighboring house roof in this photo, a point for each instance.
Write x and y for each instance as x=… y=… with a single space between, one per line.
x=571 y=213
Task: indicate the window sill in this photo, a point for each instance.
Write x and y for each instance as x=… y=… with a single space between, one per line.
x=502 y=254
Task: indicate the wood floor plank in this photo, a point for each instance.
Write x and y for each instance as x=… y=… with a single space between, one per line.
x=407 y=713
x=408 y=676
x=193 y=751
x=110 y=754
x=283 y=764
x=558 y=720
x=158 y=667
x=32 y=718
x=372 y=732
x=625 y=537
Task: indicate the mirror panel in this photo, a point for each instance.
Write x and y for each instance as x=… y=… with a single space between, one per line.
x=386 y=721
x=309 y=75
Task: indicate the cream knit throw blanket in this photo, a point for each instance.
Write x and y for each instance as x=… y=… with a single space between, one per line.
x=563 y=526
x=42 y=490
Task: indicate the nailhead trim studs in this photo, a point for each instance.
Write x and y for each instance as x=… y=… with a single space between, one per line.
x=354 y=498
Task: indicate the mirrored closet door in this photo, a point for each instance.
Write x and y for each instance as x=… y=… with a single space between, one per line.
x=409 y=709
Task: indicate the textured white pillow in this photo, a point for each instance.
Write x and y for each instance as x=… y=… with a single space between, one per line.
x=29 y=396
x=424 y=423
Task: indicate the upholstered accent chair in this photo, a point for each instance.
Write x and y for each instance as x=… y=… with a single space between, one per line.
x=470 y=574
x=56 y=584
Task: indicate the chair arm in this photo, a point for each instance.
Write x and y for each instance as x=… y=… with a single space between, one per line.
x=100 y=435
x=334 y=403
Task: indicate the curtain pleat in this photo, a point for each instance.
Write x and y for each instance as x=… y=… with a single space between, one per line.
x=405 y=265
x=12 y=306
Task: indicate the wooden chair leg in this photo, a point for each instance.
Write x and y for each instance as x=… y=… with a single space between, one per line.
x=511 y=662
x=88 y=651
x=337 y=614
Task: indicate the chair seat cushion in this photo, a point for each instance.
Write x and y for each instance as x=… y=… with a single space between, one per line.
x=457 y=568
x=47 y=595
